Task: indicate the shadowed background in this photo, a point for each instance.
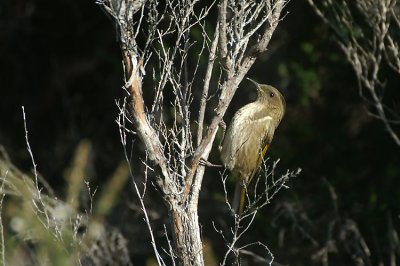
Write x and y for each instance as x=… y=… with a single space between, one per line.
x=61 y=61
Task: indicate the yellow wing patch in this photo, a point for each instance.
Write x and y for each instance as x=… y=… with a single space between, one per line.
x=264 y=151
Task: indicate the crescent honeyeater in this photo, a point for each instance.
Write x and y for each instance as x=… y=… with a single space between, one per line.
x=248 y=137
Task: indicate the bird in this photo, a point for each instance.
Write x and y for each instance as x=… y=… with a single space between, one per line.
x=248 y=137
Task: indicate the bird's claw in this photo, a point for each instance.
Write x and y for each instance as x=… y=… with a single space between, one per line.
x=204 y=162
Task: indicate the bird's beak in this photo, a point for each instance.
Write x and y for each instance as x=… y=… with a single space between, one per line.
x=252 y=81
x=255 y=83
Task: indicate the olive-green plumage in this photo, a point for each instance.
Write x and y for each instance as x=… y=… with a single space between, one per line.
x=249 y=135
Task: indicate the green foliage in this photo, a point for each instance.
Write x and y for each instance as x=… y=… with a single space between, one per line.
x=41 y=229
x=38 y=220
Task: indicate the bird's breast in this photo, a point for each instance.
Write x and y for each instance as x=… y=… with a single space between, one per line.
x=242 y=146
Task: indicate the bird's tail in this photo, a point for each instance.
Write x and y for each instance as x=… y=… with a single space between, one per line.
x=239 y=198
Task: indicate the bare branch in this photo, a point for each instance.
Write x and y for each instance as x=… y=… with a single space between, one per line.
x=261 y=196
x=123 y=136
x=366 y=49
x=206 y=86
x=170 y=145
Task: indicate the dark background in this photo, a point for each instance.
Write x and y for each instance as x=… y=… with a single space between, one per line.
x=60 y=60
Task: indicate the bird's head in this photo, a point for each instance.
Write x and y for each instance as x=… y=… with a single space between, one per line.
x=270 y=96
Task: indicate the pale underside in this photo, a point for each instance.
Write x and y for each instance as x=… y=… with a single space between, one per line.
x=245 y=140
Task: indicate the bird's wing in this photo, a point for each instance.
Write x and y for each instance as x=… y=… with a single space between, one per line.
x=236 y=136
x=265 y=142
x=266 y=126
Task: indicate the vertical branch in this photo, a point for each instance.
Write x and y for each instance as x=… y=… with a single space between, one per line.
x=122 y=12
x=223 y=32
x=122 y=129
x=30 y=151
x=144 y=129
x=206 y=86
x=169 y=145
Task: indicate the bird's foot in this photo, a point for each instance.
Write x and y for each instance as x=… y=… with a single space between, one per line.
x=204 y=162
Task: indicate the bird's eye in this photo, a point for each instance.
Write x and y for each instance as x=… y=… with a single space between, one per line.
x=272 y=94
